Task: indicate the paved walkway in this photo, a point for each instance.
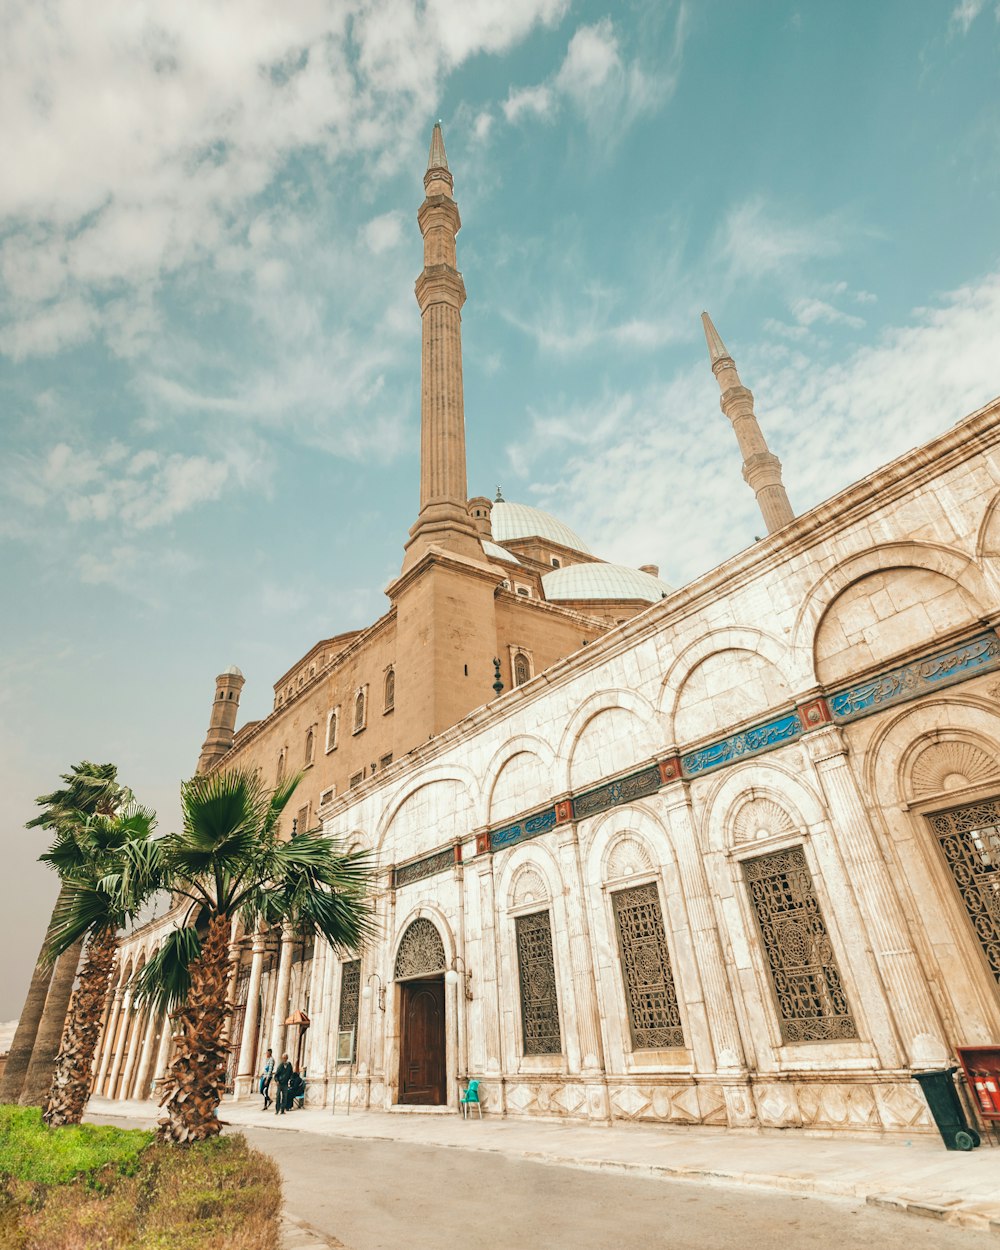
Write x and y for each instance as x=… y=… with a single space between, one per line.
x=916 y=1174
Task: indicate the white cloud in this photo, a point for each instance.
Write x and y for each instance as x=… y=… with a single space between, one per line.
x=601 y=82
x=136 y=143
x=807 y=311
x=528 y=101
x=965 y=13
x=755 y=239
x=482 y=126
x=384 y=232
x=637 y=468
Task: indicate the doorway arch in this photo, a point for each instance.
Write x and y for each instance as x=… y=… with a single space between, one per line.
x=419 y=972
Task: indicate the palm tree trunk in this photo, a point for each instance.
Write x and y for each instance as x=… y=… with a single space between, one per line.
x=50 y=1030
x=70 y=1088
x=27 y=1027
x=196 y=1078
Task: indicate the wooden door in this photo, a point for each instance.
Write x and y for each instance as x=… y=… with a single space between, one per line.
x=422 y=1077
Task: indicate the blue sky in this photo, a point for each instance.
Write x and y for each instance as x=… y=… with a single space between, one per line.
x=209 y=345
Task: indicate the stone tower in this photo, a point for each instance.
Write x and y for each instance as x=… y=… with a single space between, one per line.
x=222 y=723
x=761 y=468
x=443 y=520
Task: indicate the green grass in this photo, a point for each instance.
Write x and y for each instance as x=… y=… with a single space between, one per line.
x=103 y=1188
x=31 y=1152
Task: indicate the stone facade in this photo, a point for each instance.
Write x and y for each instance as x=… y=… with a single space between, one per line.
x=731 y=863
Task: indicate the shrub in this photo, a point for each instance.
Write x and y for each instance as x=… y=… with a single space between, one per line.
x=101 y=1188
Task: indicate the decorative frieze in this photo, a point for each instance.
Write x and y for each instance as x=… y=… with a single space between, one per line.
x=978 y=655
x=742 y=745
x=429 y=866
x=624 y=790
x=541 y=822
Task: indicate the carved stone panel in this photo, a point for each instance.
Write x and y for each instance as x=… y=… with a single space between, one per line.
x=421 y=952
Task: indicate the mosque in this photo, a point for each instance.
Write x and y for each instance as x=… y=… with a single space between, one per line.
x=724 y=854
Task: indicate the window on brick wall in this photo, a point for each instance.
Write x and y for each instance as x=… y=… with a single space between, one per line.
x=390 y=690
x=332 y=726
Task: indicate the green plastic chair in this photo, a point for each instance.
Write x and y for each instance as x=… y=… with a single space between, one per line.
x=471 y=1098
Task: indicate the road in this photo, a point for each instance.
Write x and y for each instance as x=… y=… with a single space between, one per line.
x=384 y=1195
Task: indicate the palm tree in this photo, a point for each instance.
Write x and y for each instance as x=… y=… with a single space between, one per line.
x=231 y=864
x=109 y=868
x=89 y=788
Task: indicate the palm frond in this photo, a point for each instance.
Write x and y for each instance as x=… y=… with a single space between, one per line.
x=81 y=908
x=165 y=979
x=279 y=799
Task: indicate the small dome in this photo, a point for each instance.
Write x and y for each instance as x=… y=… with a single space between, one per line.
x=603 y=581
x=499 y=553
x=519 y=520
x=231 y=671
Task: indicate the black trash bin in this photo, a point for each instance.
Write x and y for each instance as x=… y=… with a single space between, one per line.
x=946 y=1108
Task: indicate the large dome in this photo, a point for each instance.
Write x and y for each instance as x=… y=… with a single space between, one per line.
x=511 y=521
x=602 y=581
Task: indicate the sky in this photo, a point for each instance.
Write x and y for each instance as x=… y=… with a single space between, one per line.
x=209 y=344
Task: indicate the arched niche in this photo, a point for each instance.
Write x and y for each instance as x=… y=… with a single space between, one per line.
x=612 y=740
x=521 y=784
x=725 y=689
x=886 y=615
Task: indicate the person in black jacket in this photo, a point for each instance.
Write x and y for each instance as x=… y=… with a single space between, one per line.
x=283 y=1075
x=296 y=1090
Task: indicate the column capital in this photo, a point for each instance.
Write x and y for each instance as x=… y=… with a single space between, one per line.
x=826 y=745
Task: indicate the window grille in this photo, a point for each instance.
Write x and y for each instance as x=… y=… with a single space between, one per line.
x=969 y=837
x=356 y=779
x=421 y=951
x=522 y=669
x=537 y=979
x=350 y=994
x=653 y=1015
x=385 y=760
x=812 y=1004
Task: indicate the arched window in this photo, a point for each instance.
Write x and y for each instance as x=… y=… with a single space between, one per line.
x=310 y=746
x=281 y=768
x=390 y=689
x=331 y=730
x=359 y=711
x=522 y=669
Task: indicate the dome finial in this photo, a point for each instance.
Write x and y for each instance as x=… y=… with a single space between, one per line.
x=499 y=498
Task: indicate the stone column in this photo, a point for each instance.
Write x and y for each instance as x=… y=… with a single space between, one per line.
x=288 y=940
x=135 y=1036
x=717 y=998
x=108 y=1041
x=902 y=978
x=163 y=1052
x=116 y=1066
x=588 y=1015
x=489 y=999
x=145 y=1058
x=245 y=1067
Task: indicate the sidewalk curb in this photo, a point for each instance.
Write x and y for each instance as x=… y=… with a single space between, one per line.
x=297 y=1234
x=931 y=1206
x=973 y=1211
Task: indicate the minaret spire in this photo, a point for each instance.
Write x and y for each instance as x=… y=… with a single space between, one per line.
x=761 y=468
x=443 y=520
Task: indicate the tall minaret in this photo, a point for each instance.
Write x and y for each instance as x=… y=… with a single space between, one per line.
x=443 y=520
x=761 y=468
x=222 y=724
